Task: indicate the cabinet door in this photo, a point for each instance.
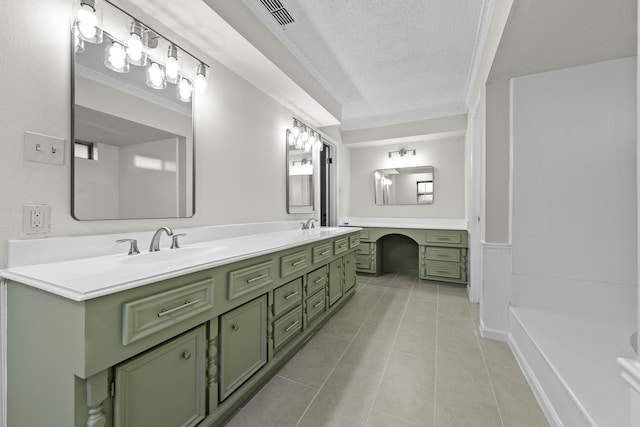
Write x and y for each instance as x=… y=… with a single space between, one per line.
x=243 y=344
x=349 y=271
x=335 y=281
x=165 y=386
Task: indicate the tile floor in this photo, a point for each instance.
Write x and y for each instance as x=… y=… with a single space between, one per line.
x=402 y=352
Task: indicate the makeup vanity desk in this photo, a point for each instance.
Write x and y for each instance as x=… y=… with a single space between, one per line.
x=442 y=245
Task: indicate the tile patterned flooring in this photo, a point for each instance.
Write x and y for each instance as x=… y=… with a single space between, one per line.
x=402 y=352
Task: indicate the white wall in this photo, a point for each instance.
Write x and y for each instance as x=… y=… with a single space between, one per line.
x=240 y=165
x=574 y=189
x=448 y=158
x=97 y=184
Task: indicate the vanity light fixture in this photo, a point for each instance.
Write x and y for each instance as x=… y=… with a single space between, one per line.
x=134 y=45
x=88 y=22
x=172 y=66
x=302 y=136
x=402 y=152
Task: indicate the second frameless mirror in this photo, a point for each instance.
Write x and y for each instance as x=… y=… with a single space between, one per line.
x=300 y=180
x=404 y=186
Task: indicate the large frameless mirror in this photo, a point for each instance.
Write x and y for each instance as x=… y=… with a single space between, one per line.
x=300 y=179
x=133 y=145
x=404 y=186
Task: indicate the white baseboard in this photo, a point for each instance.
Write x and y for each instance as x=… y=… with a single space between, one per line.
x=492 y=333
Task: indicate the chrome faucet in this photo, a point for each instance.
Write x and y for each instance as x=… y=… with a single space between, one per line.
x=309 y=224
x=155 y=240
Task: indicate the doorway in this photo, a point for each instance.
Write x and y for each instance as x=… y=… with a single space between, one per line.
x=328 y=184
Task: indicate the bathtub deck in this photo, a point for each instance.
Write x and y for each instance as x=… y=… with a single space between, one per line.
x=572 y=360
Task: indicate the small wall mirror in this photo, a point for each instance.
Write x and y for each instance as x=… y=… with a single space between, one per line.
x=404 y=186
x=300 y=180
x=133 y=151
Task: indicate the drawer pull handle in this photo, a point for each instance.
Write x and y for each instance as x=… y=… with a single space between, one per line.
x=186 y=355
x=186 y=304
x=262 y=276
x=444 y=238
x=443 y=272
x=443 y=256
x=235 y=326
x=325 y=253
x=291 y=326
x=319 y=280
x=299 y=262
x=318 y=304
x=291 y=295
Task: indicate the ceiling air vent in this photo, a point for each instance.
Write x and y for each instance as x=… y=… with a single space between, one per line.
x=277 y=10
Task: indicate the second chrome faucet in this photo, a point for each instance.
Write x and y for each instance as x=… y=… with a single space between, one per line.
x=155 y=240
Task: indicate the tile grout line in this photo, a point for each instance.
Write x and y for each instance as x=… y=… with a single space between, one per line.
x=484 y=361
x=338 y=362
x=386 y=363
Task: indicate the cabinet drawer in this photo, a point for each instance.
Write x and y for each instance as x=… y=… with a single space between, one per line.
x=293 y=263
x=363 y=262
x=363 y=249
x=448 y=270
x=354 y=241
x=245 y=280
x=174 y=373
x=316 y=280
x=445 y=237
x=315 y=305
x=243 y=344
x=287 y=296
x=321 y=253
x=364 y=235
x=444 y=254
x=146 y=316
x=340 y=245
x=286 y=328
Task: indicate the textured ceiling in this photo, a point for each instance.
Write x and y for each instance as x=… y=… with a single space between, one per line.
x=386 y=61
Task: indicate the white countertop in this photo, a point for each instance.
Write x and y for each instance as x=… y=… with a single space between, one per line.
x=416 y=223
x=86 y=278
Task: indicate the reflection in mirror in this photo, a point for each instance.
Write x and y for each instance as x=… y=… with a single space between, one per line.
x=404 y=186
x=300 y=180
x=133 y=150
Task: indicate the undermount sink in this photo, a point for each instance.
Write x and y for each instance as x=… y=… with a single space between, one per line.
x=170 y=255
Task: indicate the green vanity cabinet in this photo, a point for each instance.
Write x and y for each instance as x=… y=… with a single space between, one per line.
x=243 y=344
x=185 y=351
x=349 y=265
x=164 y=387
x=442 y=254
x=335 y=281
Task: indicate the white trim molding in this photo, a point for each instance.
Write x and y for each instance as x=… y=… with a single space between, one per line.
x=631 y=374
x=496 y=290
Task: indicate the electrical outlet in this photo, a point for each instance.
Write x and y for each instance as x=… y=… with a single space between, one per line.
x=35 y=219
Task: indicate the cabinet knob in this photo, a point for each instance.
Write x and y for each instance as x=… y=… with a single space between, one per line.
x=235 y=326
x=186 y=355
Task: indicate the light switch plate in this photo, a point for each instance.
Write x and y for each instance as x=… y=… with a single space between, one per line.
x=43 y=148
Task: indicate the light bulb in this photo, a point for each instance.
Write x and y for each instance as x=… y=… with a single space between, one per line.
x=172 y=66
x=305 y=135
x=134 y=49
x=155 y=76
x=87 y=21
x=184 y=90
x=116 y=57
x=78 y=44
x=201 y=78
x=295 y=130
x=290 y=138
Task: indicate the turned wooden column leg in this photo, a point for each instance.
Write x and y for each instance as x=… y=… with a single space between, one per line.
x=97 y=393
